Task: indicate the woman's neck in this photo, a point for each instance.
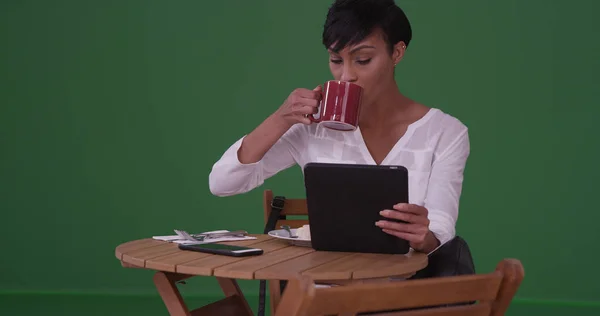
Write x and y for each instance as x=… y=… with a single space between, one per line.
x=388 y=107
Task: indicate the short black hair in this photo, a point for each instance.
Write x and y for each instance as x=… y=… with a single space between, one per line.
x=351 y=21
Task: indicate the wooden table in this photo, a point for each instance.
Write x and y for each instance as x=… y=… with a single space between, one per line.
x=280 y=261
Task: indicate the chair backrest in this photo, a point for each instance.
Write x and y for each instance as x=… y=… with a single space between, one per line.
x=492 y=294
x=294 y=214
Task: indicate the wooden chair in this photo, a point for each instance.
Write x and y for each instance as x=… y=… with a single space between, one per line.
x=292 y=207
x=492 y=293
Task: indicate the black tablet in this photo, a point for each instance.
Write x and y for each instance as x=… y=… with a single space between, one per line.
x=344 y=201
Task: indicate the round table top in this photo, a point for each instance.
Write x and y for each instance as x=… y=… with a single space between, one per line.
x=280 y=261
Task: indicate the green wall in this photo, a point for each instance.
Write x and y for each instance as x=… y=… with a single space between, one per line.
x=113 y=112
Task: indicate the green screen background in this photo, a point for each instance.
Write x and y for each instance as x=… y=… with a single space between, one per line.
x=112 y=114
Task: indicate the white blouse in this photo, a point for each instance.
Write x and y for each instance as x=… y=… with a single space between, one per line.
x=434 y=149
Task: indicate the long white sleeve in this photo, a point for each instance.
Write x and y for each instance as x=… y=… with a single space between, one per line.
x=445 y=185
x=436 y=182
x=230 y=177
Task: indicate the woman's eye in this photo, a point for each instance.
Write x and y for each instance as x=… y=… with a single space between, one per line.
x=336 y=61
x=364 y=61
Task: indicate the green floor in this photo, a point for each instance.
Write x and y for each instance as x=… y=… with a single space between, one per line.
x=70 y=305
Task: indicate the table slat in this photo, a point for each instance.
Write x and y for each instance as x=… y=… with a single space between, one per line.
x=244 y=243
x=395 y=265
x=342 y=269
x=245 y=269
x=170 y=261
x=139 y=257
x=206 y=266
x=293 y=268
x=135 y=245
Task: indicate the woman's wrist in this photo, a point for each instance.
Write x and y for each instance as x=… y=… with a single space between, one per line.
x=429 y=244
x=260 y=140
x=278 y=123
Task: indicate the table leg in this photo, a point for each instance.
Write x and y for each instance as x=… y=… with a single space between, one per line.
x=165 y=283
x=231 y=288
x=274 y=294
x=233 y=304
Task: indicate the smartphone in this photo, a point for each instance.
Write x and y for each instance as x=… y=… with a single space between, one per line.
x=220 y=249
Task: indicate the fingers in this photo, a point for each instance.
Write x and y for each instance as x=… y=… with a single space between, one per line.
x=306 y=106
x=307 y=102
x=305 y=120
x=301 y=103
x=303 y=113
x=298 y=101
x=405 y=216
x=401 y=227
x=415 y=228
x=411 y=238
x=308 y=94
x=411 y=208
x=307 y=109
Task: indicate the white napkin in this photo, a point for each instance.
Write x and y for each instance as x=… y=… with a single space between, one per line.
x=178 y=240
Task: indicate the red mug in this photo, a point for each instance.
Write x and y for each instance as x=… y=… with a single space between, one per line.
x=340 y=105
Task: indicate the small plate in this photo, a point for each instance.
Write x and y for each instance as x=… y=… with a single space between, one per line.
x=283 y=234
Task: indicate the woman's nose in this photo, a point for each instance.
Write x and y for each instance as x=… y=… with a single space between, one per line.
x=348 y=74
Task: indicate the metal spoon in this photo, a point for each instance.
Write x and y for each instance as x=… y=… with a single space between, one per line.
x=287 y=228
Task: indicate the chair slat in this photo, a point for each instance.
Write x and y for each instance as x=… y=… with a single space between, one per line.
x=390 y=296
x=482 y=309
x=290 y=207
x=295 y=207
x=514 y=273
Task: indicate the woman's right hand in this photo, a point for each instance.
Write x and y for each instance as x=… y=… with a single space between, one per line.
x=299 y=104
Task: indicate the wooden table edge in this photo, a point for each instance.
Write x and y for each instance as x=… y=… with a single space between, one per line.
x=360 y=274
x=413 y=267
x=120 y=252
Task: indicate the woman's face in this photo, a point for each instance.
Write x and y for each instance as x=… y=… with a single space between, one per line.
x=368 y=64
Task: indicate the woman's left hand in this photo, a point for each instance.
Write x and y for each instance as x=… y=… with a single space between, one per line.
x=415 y=231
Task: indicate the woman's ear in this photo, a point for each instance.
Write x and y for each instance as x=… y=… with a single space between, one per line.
x=398 y=52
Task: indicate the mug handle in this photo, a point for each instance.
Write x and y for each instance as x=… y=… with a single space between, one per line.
x=312 y=116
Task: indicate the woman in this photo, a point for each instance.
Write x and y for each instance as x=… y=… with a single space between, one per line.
x=365 y=40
